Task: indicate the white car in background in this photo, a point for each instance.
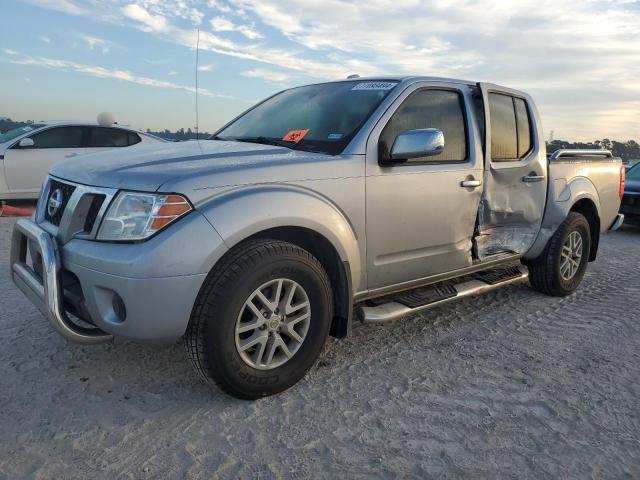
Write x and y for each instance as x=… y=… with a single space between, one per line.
x=28 y=153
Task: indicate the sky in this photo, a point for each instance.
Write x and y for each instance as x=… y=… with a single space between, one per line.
x=72 y=59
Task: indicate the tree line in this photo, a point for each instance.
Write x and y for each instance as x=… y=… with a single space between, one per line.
x=179 y=135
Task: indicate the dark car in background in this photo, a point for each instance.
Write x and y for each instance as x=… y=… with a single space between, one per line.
x=630 y=206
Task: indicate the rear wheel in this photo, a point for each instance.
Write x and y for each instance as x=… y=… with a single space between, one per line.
x=261 y=319
x=560 y=268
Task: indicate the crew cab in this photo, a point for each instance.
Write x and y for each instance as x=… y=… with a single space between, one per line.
x=367 y=199
x=28 y=152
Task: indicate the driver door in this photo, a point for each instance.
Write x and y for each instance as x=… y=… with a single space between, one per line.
x=420 y=216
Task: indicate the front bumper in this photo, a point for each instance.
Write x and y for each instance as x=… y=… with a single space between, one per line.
x=143 y=291
x=46 y=292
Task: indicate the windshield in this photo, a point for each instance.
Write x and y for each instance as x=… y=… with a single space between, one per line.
x=319 y=118
x=16 y=132
x=634 y=172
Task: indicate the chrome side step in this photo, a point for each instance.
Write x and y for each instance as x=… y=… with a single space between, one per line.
x=480 y=283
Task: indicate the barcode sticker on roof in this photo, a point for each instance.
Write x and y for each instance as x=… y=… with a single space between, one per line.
x=374 y=86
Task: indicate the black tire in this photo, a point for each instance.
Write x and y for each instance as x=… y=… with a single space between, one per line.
x=210 y=337
x=544 y=272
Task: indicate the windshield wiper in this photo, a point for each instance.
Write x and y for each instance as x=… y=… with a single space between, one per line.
x=267 y=141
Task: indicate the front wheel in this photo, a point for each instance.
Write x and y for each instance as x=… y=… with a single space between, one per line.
x=560 y=268
x=261 y=319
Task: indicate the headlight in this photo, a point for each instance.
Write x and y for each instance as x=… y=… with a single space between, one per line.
x=136 y=216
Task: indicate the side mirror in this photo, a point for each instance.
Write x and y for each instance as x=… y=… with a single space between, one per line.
x=26 y=143
x=424 y=142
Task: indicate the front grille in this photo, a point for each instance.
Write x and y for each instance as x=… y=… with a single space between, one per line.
x=92 y=214
x=54 y=215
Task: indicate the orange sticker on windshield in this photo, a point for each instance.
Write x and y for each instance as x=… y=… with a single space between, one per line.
x=295 y=135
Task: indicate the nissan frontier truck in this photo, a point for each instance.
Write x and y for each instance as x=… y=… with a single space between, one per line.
x=363 y=200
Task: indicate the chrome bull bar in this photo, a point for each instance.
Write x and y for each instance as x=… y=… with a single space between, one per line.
x=46 y=293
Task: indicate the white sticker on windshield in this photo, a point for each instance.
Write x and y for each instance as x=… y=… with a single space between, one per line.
x=374 y=86
x=335 y=136
x=26 y=129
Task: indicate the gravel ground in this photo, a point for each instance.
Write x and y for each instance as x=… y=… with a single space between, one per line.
x=512 y=384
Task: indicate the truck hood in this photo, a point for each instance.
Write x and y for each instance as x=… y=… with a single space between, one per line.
x=187 y=165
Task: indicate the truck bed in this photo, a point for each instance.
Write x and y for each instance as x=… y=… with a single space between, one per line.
x=598 y=167
x=580 y=176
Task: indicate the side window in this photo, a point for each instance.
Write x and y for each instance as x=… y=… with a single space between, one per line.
x=510 y=128
x=441 y=109
x=524 y=128
x=58 y=137
x=134 y=138
x=109 y=137
x=504 y=133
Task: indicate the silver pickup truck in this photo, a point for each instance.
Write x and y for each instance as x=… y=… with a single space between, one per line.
x=366 y=199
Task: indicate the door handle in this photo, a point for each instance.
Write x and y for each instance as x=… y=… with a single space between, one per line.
x=71 y=155
x=532 y=178
x=470 y=183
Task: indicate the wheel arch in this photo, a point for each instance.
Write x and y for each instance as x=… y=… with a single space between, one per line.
x=579 y=195
x=304 y=218
x=587 y=208
x=338 y=271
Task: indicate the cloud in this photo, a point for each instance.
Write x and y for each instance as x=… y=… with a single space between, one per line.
x=172 y=73
x=267 y=75
x=206 y=68
x=221 y=24
x=151 y=23
x=186 y=36
x=576 y=58
x=218 y=5
x=8 y=51
x=65 y=6
x=96 y=43
x=45 y=39
x=101 y=72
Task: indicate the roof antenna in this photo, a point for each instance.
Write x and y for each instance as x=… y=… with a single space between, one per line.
x=197 y=114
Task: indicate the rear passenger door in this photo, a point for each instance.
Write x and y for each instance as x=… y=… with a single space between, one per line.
x=515 y=176
x=419 y=217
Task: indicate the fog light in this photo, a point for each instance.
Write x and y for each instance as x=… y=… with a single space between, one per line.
x=119 y=309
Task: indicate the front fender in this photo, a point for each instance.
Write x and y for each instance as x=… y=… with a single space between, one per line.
x=245 y=211
x=561 y=198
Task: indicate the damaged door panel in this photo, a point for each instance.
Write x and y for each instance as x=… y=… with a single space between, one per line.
x=515 y=174
x=421 y=212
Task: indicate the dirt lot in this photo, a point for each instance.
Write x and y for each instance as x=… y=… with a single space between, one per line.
x=511 y=384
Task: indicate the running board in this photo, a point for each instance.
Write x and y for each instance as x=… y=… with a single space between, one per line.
x=425 y=298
